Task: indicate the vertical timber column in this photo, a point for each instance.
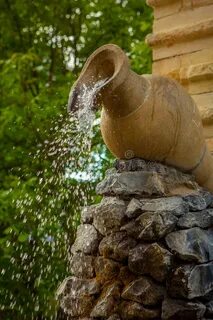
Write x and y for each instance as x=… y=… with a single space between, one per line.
x=182 y=43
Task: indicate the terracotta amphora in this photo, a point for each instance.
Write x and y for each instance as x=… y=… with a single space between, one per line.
x=149 y=117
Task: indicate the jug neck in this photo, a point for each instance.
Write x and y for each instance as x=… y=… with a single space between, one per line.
x=123 y=95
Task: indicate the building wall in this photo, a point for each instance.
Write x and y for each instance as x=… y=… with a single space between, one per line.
x=182 y=43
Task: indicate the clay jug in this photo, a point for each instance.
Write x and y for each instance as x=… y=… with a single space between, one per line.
x=149 y=117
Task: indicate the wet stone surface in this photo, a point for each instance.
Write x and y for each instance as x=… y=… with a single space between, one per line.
x=87 y=240
x=82 y=266
x=145 y=251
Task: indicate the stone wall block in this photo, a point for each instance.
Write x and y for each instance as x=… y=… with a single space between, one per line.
x=182 y=310
x=174 y=205
x=202 y=219
x=116 y=246
x=191 y=281
x=156 y=225
x=108 y=302
x=109 y=215
x=192 y=245
x=143 y=290
x=150 y=259
x=82 y=266
x=106 y=269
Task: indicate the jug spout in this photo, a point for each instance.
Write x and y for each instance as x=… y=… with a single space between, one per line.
x=117 y=88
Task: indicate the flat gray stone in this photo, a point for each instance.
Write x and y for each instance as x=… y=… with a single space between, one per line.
x=143 y=290
x=87 y=240
x=182 y=310
x=134 y=310
x=192 y=244
x=150 y=259
x=109 y=215
x=82 y=266
x=146 y=182
x=107 y=303
x=202 y=219
x=116 y=246
x=174 y=205
x=190 y=281
x=127 y=184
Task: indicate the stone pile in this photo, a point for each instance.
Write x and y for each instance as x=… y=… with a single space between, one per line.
x=144 y=252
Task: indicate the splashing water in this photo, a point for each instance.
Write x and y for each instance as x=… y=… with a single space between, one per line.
x=86 y=99
x=48 y=210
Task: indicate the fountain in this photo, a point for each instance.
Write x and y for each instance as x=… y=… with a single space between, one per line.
x=146 y=251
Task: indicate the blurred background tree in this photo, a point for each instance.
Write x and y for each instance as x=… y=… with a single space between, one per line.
x=44 y=45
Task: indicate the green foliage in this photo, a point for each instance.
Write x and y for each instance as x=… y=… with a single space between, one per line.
x=43 y=46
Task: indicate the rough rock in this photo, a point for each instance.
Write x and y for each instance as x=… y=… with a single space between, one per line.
x=75 y=287
x=151 y=226
x=116 y=246
x=192 y=244
x=135 y=310
x=156 y=181
x=150 y=259
x=200 y=201
x=87 y=240
x=77 y=296
x=134 y=208
x=156 y=225
x=209 y=309
x=87 y=214
x=190 y=281
x=182 y=310
x=202 y=219
x=126 y=184
x=106 y=269
x=126 y=276
x=82 y=266
x=109 y=215
x=143 y=290
x=108 y=301
x=114 y=317
x=78 y=307
x=174 y=205
x=132 y=228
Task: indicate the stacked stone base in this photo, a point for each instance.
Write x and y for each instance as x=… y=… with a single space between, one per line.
x=144 y=252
